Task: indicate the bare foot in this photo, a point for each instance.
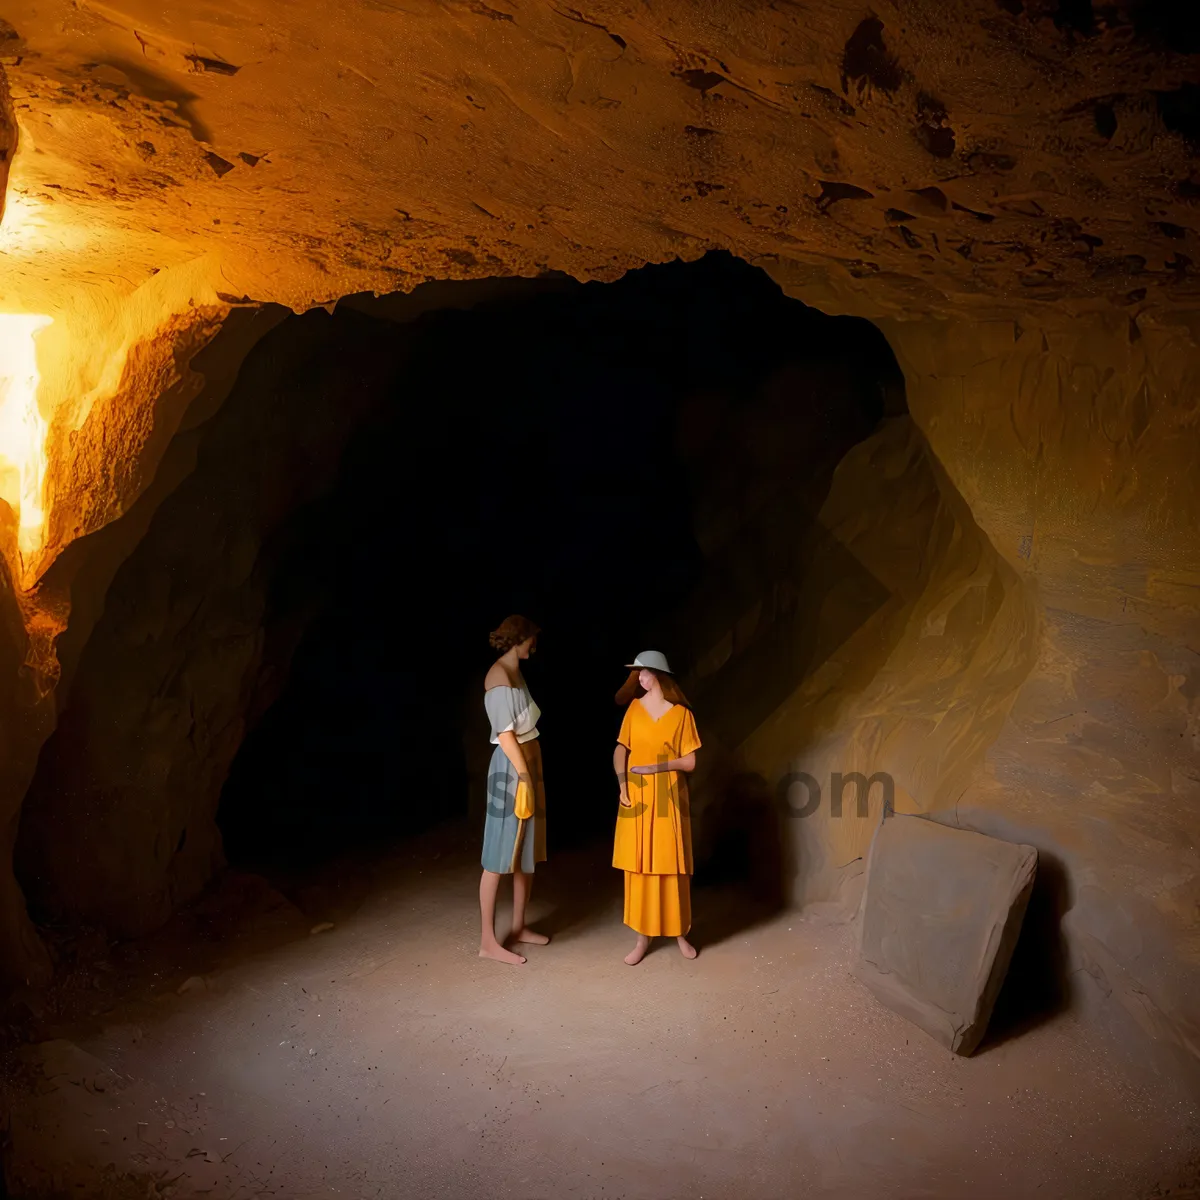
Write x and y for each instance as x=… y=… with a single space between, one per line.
x=498 y=952
x=636 y=955
x=531 y=936
x=686 y=948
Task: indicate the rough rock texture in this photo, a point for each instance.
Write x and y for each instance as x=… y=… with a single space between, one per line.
x=118 y=827
x=989 y=156
x=8 y=133
x=1010 y=188
x=940 y=919
x=1074 y=452
x=908 y=640
x=1032 y=675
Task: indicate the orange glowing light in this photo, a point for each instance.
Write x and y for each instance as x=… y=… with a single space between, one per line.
x=23 y=430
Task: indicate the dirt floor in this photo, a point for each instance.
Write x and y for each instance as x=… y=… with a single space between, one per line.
x=246 y=1051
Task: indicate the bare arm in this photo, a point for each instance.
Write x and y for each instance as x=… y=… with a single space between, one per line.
x=620 y=759
x=514 y=753
x=686 y=763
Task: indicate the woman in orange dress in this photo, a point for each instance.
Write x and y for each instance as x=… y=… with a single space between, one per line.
x=656 y=750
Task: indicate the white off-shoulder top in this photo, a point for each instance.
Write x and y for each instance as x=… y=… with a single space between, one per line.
x=511 y=710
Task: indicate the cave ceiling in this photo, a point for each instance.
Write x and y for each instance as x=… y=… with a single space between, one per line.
x=994 y=157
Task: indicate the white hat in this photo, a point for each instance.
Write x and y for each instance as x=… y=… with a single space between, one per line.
x=652 y=660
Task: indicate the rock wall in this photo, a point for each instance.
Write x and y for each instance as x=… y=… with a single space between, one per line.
x=1014 y=641
x=136 y=746
x=8 y=135
x=1074 y=449
x=26 y=719
x=118 y=826
x=907 y=640
x=190 y=366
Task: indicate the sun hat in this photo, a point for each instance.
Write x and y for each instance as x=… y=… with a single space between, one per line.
x=652 y=660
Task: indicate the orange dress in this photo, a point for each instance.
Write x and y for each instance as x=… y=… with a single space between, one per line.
x=653 y=841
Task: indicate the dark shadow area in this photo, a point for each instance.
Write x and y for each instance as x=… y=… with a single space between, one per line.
x=818 y=595
x=164 y=90
x=1038 y=984
x=562 y=453
x=742 y=879
x=749 y=850
x=1180 y=111
x=1168 y=25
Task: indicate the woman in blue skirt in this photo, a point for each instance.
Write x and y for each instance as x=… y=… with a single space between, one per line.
x=514 y=835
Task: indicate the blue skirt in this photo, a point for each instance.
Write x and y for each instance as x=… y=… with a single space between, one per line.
x=510 y=843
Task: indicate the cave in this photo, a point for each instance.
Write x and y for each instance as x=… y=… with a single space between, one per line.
x=847 y=356
x=703 y=376
x=672 y=372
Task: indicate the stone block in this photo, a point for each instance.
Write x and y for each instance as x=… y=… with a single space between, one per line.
x=941 y=914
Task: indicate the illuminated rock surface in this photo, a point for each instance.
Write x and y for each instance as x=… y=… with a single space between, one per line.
x=1011 y=193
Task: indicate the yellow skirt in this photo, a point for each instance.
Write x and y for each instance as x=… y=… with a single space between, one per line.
x=658 y=905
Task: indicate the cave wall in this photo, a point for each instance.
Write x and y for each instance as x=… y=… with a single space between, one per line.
x=992 y=601
x=182 y=368
x=26 y=719
x=1075 y=449
x=901 y=650
x=1004 y=624
x=1024 y=564
x=117 y=829
x=786 y=384
x=8 y=137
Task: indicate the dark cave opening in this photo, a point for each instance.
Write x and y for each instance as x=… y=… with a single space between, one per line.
x=528 y=455
x=302 y=630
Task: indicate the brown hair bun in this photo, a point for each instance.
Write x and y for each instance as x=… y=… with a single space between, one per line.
x=512 y=631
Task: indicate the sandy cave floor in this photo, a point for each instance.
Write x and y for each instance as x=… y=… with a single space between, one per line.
x=236 y=1054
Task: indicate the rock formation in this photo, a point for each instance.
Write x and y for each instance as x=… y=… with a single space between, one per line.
x=941 y=916
x=1008 y=187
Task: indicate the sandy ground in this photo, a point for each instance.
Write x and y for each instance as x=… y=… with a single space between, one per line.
x=237 y=1055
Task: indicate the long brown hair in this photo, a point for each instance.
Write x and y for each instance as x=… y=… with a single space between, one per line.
x=632 y=690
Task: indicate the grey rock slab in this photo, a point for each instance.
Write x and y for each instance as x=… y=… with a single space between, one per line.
x=941 y=914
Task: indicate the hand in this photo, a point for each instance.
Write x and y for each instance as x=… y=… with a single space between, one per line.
x=625 y=801
x=523 y=802
x=644 y=770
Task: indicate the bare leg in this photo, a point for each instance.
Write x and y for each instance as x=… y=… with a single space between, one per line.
x=489 y=885
x=522 y=886
x=636 y=955
x=686 y=948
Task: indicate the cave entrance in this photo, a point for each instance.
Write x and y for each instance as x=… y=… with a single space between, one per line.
x=629 y=464
x=296 y=645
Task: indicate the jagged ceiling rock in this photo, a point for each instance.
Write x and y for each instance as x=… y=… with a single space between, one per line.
x=993 y=156
x=1027 y=161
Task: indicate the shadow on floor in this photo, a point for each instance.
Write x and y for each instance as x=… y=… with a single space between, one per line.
x=243 y=914
x=742 y=881
x=246 y=914
x=580 y=886
x=1038 y=984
